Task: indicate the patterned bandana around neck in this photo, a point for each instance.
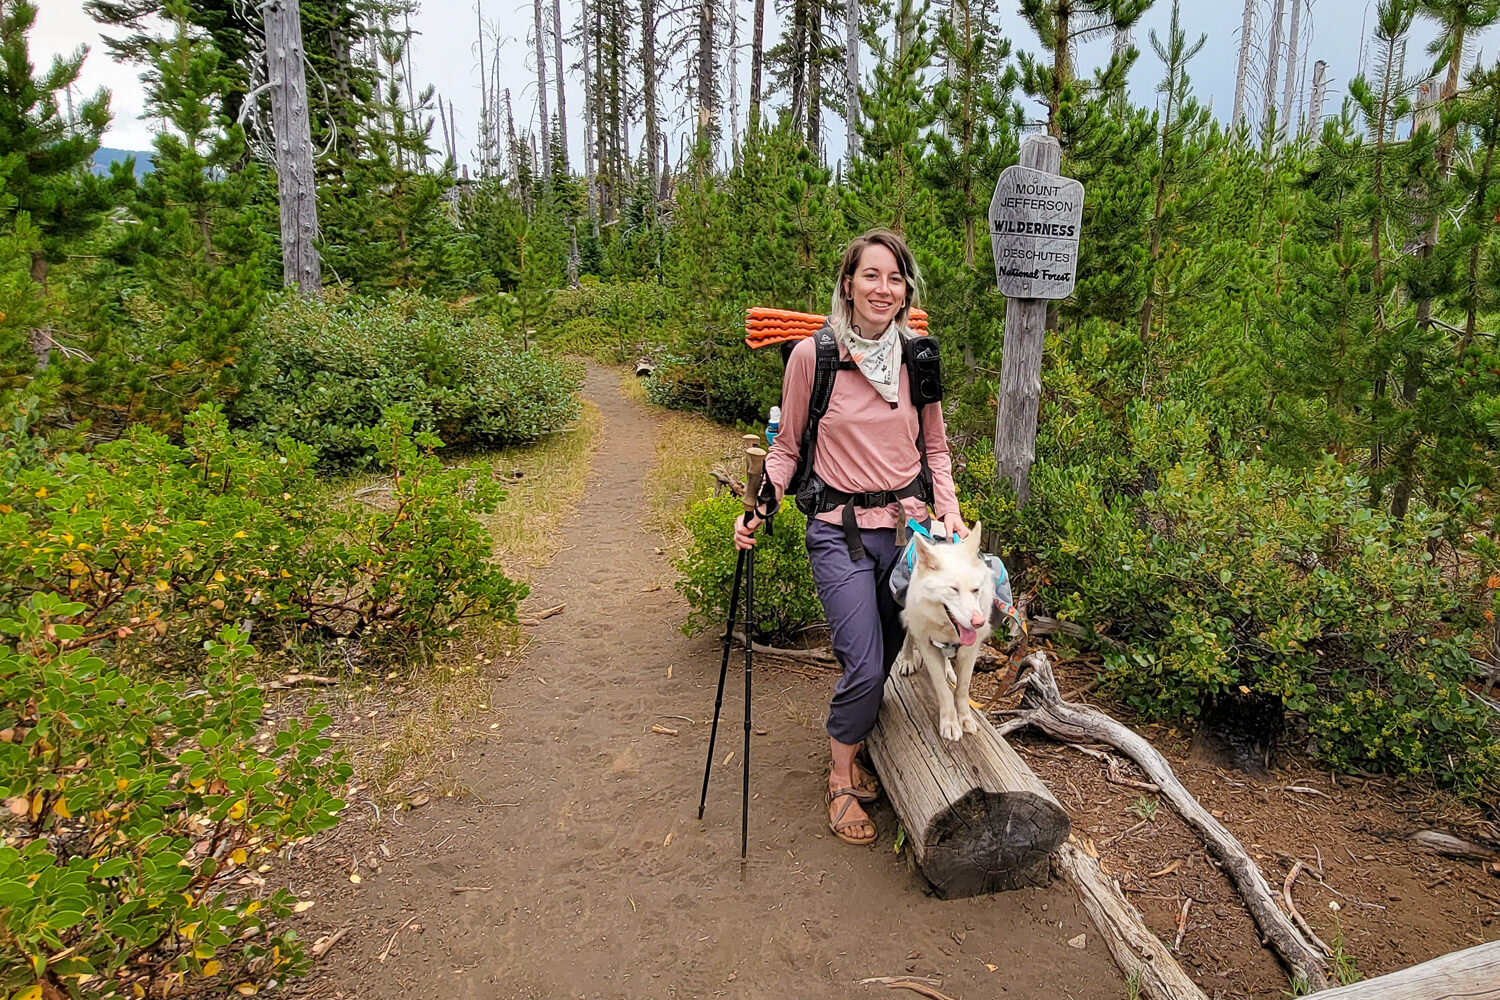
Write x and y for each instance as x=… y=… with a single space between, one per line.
x=879 y=360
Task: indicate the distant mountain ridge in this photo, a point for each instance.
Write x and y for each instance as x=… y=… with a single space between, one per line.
x=105 y=156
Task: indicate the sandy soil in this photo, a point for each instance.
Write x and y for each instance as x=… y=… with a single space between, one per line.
x=576 y=865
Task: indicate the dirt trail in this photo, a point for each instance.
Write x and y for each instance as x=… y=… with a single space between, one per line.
x=592 y=876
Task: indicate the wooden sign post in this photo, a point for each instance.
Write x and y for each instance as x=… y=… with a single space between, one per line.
x=1036 y=218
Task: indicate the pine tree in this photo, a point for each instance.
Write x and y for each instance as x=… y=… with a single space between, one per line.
x=885 y=184
x=1179 y=175
x=44 y=167
x=199 y=250
x=974 y=136
x=1062 y=25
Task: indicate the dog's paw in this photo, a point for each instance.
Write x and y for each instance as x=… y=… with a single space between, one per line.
x=969 y=723
x=950 y=729
x=905 y=665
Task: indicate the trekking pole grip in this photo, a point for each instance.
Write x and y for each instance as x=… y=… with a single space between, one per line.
x=755 y=470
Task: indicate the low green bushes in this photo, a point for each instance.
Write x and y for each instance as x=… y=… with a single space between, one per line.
x=164 y=544
x=142 y=784
x=324 y=372
x=785 y=599
x=1221 y=574
x=136 y=813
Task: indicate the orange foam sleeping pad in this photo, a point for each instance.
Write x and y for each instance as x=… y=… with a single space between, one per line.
x=764 y=326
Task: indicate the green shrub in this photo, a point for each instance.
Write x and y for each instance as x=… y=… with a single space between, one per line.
x=785 y=599
x=162 y=545
x=326 y=371
x=611 y=323
x=1222 y=576
x=137 y=812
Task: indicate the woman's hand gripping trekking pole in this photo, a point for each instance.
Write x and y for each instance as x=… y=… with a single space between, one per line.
x=746 y=526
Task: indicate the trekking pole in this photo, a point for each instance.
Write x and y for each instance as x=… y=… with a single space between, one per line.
x=713 y=734
x=755 y=462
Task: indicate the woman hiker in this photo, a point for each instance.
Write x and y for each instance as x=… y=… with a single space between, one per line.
x=872 y=450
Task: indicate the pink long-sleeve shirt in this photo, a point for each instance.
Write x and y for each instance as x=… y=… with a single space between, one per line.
x=864 y=443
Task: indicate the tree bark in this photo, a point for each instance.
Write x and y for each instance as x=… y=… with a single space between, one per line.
x=1273 y=63
x=1471 y=974
x=296 y=185
x=1290 y=87
x=648 y=86
x=1042 y=706
x=815 y=80
x=757 y=60
x=1241 y=74
x=851 y=80
x=541 y=89
x=1130 y=941
x=705 y=85
x=976 y=819
x=562 y=99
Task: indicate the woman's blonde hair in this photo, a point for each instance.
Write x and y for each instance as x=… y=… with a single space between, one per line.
x=841 y=313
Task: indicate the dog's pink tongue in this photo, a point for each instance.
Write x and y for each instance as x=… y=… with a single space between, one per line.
x=966 y=635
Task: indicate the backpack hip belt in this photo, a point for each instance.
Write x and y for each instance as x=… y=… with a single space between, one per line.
x=818 y=498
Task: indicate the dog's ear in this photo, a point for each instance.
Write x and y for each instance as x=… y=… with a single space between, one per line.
x=927 y=557
x=976 y=536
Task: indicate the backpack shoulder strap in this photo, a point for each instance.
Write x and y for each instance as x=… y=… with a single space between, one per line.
x=825 y=370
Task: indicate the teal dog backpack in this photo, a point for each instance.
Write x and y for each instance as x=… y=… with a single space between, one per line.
x=902 y=571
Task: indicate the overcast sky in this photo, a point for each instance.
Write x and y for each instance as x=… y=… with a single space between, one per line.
x=444 y=56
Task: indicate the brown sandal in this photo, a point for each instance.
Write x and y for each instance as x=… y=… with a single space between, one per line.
x=866 y=784
x=838 y=827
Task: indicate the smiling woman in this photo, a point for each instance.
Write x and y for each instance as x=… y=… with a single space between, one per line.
x=884 y=456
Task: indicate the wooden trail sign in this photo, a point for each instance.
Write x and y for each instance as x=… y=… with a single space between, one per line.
x=1036 y=220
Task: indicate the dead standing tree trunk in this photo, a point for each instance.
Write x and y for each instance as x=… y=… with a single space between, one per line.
x=1042 y=706
x=296 y=185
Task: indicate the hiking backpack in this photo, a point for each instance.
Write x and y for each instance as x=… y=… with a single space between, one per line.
x=920 y=357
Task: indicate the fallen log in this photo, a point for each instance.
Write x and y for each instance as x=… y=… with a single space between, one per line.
x=1137 y=951
x=1043 y=707
x=976 y=819
x=1471 y=974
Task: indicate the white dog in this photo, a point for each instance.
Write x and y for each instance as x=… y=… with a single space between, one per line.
x=947 y=615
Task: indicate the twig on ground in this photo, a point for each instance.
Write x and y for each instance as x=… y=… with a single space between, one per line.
x=322 y=945
x=472 y=888
x=1305 y=790
x=917 y=984
x=1182 y=924
x=392 y=942
x=296 y=680
x=536 y=619
x=1286 y=895
x=1123 y=834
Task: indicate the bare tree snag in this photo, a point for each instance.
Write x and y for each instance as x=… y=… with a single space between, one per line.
x=1043 y=707
x=1130 y=941
x=1471 y=974
x=296 y=185
x=976 y=819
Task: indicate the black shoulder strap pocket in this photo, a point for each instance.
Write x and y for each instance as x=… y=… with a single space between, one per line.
x=925 y=370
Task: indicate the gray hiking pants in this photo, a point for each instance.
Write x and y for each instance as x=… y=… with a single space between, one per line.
x=863 y=620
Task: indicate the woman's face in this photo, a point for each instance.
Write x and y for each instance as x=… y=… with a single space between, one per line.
x=878 y=290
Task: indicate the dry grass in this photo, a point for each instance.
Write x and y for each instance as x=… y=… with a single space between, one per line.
x=526 y=527
x=688 y=446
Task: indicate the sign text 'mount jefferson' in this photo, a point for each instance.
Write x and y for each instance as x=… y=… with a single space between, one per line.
x=1035 y=222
